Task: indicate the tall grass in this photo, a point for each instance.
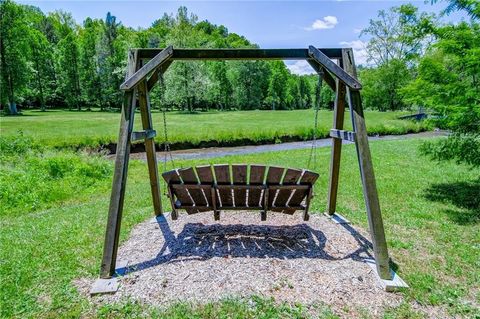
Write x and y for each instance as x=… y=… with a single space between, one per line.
x=68 y=129
x=430 y=211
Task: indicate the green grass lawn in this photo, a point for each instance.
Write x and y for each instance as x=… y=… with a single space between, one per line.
x=431 y=213
x=80 y=129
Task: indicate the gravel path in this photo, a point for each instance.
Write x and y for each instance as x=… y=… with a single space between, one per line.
x=198 y=259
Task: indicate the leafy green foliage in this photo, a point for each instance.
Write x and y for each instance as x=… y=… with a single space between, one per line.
x=472 y=7
x=397 y=39
x=448 y=82
x=13 y=61
x=382 y=85
x=79 y=66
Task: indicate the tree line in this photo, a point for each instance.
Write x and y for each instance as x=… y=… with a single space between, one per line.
x=418 y=62
x=49 y=60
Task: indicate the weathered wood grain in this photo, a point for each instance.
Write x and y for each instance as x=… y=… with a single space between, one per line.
x=239 y=174
x=147 y=124
x=333 y=68
x=117 y=197
x=240 y=54
x=222 y=175
x=141 y=74
x=370 y=194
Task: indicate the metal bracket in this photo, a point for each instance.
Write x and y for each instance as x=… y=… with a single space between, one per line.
x=143 y=135
x=343 y=135
x=395 y=284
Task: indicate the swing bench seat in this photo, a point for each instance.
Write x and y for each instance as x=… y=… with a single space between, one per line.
x=240 y=187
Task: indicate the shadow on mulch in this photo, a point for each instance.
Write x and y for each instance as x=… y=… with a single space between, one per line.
x=464 y=195
x=202 y=242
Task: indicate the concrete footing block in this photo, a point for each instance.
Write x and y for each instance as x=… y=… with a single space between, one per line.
x=104 y=286
x=337 y=218
x=395 y=284
x=110 y=285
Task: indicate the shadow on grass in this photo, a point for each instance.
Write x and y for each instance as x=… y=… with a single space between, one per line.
x=202 y=242
x=464 y=195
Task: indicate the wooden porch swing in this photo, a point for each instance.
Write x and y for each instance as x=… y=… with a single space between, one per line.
x=289 y=187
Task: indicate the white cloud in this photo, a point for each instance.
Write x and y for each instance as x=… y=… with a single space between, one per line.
x=328 y=22
x=357 y=30
x=300 y=67
x=359 y=50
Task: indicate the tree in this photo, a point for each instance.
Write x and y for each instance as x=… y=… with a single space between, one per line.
x=13 y=57
x=398 y=34
x=448 y=82
x=91 y=83
x=383 y=84
x=398 y=37
x=472 y=7
x=277 y=83
x=40 y=56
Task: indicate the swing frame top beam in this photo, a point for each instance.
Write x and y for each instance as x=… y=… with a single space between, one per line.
x=322 y=57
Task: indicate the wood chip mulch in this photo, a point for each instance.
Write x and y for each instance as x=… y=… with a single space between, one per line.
x=201 y=260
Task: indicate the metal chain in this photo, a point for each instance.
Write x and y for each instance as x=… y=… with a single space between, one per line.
x=313 y=153
x=167 y=149
x=166 y=142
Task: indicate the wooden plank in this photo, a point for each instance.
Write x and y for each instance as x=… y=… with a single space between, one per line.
x=327 y=77
x=241 y=54
x=119 y=176
x=243 y=187
x=206 y=178
x=370 y=194
x=337 y=71
x=257 y=173
x=301 y=207
x=239 y=175
x=188 y=176
x=335 y=158
x=274 y=177
x=308 y=178
x=343 y=135
x=222 y=175
x=150 y=66
x=291 y=178
x=306 y=216
x=147 y=124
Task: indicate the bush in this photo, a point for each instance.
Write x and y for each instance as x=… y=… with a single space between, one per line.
x=463 y=148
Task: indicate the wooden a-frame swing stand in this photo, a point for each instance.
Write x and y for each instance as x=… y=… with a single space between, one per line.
x=146 y=66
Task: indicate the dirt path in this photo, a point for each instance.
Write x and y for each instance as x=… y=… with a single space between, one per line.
x=211 y=152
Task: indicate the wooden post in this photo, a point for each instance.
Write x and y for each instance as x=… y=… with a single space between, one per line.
x=338 y=119
x=370 y=194
x=120 y=176
x=144 y=104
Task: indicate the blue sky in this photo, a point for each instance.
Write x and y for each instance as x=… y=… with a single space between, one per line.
x=270 y=24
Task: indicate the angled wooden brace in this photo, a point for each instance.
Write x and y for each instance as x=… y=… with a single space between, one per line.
x=162 y=57
x=370 y=193
x=333 y=68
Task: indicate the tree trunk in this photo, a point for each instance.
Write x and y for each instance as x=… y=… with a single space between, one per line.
x=12 y=108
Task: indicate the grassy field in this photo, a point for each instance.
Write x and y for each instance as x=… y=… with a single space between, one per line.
x=53 y=232
x=90 y=129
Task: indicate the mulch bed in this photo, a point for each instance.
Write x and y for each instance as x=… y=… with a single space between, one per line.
x=201 y=260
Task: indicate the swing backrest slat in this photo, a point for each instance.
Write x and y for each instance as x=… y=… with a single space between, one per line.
x=205 y=188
